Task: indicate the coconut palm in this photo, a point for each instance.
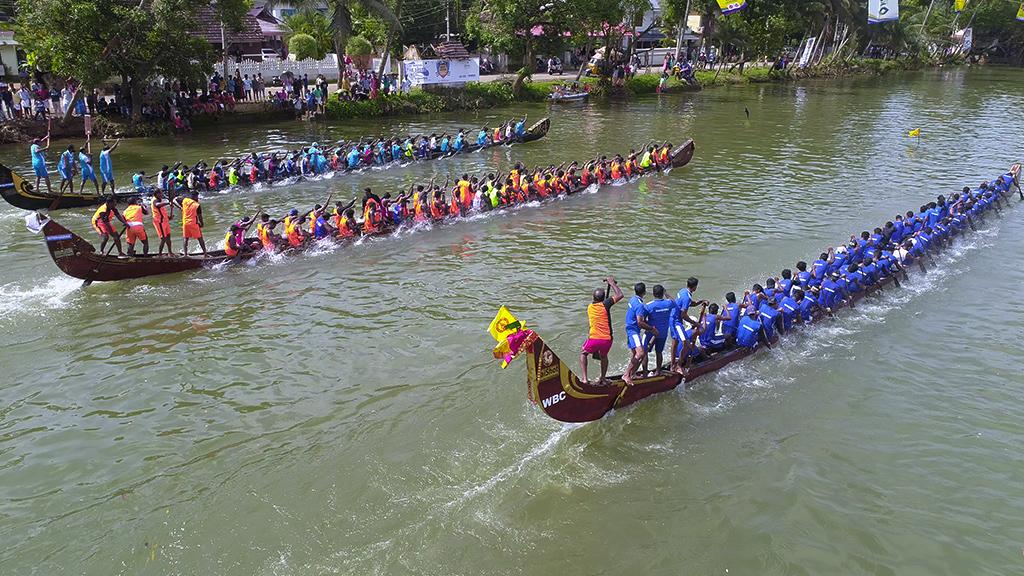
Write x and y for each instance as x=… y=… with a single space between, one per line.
x=339 y=12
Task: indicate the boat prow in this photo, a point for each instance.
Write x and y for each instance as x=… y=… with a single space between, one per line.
x=683 y=153
x=79 y=259
x=20 y=193
x=556 y=389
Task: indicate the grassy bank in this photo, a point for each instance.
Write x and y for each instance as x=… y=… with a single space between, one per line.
x=483 y=95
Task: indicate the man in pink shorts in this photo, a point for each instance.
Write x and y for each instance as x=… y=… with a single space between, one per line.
x=599 y=339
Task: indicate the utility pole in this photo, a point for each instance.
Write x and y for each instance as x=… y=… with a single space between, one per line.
x=447 y=24
x=224 y=51
x=683 y=29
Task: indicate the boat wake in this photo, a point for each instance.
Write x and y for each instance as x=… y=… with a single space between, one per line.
x=517 y=468
x=53 y=295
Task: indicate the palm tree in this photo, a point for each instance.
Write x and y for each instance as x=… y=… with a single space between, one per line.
x=340 y=16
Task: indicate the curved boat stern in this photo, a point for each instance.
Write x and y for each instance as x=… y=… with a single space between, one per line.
x=558 y=391
x=70 y=252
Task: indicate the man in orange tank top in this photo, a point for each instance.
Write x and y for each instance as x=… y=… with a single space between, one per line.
x=599 y=338
x=191 y=221
x=162 y=212
x=136 y=230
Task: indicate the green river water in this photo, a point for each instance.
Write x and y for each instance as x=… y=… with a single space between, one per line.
x=340 y=413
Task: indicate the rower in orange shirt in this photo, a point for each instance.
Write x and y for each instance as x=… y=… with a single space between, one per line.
x=162 y=212
x=102 y=222
x=136 y=230
x=191 y=221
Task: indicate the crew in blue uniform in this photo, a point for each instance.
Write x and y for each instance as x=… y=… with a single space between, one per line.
x=635 y=322
x=749 y=330
x=660 y=313
x=107 y=167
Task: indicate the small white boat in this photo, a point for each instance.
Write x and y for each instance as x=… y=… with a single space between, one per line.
x=574 y=97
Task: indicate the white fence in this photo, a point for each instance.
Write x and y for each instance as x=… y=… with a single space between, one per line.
x=276 y=67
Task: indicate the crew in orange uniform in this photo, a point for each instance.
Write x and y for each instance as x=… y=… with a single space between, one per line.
x=162 y=212
x=191 y=221
x=136 y=230
x=102 y=222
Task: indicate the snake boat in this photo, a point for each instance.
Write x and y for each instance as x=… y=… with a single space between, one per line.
x=557 y=390
x=78 y=258
x=18 y=190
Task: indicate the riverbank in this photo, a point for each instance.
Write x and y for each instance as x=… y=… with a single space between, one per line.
x=493 y=93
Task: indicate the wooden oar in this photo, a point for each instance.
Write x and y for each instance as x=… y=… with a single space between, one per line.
x=96 y=270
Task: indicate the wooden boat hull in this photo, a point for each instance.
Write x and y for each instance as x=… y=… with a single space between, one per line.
x=78 y=258
x=553 y=386
x=21 y=193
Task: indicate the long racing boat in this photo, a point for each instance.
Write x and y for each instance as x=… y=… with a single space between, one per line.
x=78 y=258
x=556 y=389
x=18 y=190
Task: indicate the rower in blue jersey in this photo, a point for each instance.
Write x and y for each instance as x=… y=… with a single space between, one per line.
x=870 y=270
x=806 y=304
x=85 y=166
x=830 y=295
x=710 y=339
x=352 y=159
x=521 y=128
x=820 y=267
x=855 y=281
x=445 y=143
x=396 y=150
x=803 y=276
x=106 y=166
x=460 y=140
x=139 y=182
x=729 y=326
x=685 y=301
x=423 y=149
x=790 y=310
x=766 y=310
x=66 y=168
x=750 y=329
x=785 y=284
x=660 y=313
x=635 y=322
x=481 y=137
x=38 y=152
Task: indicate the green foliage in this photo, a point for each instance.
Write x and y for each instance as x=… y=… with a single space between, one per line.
x=358 y=46
x=314 y=24
x=94 y=40
x=303 y=46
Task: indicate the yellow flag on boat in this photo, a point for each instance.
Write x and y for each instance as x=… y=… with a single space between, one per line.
x=959 y=5
x=729 y=6
x=915 y=133
x=504 y=323
x=1020 y=12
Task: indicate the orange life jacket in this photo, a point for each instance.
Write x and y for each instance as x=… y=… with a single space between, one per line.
x=264 y=235
x=437 y=208
x=616 y=171
x=159 y=213
x=133 y=213
x=232 y=252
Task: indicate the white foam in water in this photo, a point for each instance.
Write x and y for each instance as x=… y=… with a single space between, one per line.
x=50 y=296
x=516 y=468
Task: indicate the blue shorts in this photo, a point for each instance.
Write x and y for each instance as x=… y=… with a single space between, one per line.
x=678 y=332
x=657 y=341
x=634 y=340
x=64 y=174
x=88 y=175
x=40 y=170
x=108 y=176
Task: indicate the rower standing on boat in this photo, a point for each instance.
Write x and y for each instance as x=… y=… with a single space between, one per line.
x=66 y=167
x=599 y=338
x=162 y=213
x=636 y=320
x=106 y=167
x=38 y=152
x=102 y=223
x=85 y=163
x=136 y=227
x=191 y=221
x=660 y=313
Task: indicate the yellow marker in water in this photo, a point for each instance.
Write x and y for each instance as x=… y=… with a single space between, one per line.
x=915 y=133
